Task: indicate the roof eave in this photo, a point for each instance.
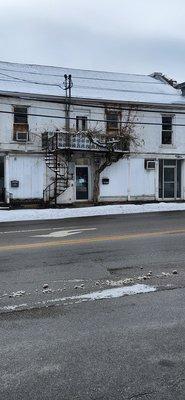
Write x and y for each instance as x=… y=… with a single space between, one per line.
x=62 y=99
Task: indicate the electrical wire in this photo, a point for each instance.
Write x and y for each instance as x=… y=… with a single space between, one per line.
x=91 y=119
x=86 y=77
x=82 y=86
x=72 y=103
x=32 y=82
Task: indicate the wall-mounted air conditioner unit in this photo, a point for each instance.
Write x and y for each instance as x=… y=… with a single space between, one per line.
x=150 y=164
x=22 y=136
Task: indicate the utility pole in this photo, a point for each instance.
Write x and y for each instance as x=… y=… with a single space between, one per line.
x=67 y=87
x=68 y=84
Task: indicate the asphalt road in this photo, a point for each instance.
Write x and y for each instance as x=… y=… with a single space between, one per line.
x=54 y=346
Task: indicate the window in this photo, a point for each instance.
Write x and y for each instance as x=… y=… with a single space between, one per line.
x=166 y=129
x=20 y=124
x=112 y=120
x=20 y=115
x=81 y=123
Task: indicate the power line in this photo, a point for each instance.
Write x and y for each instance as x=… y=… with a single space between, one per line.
x=92 y=119
x=86 y=77
x=32 y=82
x=84 y=86
x=107 y=89
x=87 y=87
x=135 y=109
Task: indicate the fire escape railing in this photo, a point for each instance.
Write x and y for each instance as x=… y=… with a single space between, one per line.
x=57 y=149
x=58 y=166
x=80 y=141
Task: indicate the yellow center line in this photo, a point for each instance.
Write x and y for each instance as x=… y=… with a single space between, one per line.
x=90 y=240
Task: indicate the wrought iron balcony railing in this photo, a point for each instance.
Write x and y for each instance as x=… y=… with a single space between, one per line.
x=80 y=141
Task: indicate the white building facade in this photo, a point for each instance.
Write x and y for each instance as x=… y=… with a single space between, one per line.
x=33 y=106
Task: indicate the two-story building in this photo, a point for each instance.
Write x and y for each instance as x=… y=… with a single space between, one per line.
x=45 y=157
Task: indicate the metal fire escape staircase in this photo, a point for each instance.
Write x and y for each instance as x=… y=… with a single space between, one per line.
x=59 y=166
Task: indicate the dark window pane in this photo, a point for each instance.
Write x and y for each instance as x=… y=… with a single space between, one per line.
x=81 y=123
x=166 y=137
x=169 y=190
x=44 y=140
x=112 y=120
x=1 y=172
x=20 y=115
x=169 y=174
x=179 y=178
x=166 y=130
x=167 y=123
x=81 y=183
x=169 y=162
x=160 y=178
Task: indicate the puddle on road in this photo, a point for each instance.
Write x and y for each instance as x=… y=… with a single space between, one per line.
x=118 y=271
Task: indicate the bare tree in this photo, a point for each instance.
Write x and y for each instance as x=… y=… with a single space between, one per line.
x=111 y=146
x=107 y=147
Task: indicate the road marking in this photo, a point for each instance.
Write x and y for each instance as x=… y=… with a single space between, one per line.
x=104 y=294
x=90 y=240
x=14 y=308
x=36 y=230
x=65 y=233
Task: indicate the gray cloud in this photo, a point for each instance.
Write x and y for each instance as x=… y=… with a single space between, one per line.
x=88 y=35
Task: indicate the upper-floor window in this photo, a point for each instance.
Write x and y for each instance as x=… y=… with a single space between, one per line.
x=81 y=123
x=113 y=119
x=20 y=132
x=167 y=129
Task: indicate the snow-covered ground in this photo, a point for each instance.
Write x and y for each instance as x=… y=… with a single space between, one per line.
x=35 y=214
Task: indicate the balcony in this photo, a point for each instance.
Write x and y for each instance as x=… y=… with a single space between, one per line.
x=79 y=141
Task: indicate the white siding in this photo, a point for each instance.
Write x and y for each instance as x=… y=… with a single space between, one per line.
x=30 y=172
x=142 y=182
x=118 y=180
x=128 y=179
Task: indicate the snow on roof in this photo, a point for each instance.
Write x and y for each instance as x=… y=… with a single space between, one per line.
x=97 y=85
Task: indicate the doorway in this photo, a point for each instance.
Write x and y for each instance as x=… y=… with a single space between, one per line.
x=170 y=179
x=82 y=183
x=2 y=189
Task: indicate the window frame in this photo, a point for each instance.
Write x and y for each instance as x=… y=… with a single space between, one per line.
x=83 y=120
x=113 y=128
x=22 y=125
x=171 y=130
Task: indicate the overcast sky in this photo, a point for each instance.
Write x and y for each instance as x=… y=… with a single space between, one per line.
x=136 y=36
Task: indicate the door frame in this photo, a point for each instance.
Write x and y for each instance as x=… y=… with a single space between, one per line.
x=175 y=167
x=2 y=190
x=89 y=186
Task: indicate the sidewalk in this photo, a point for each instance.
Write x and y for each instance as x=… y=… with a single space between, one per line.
x=46 y=214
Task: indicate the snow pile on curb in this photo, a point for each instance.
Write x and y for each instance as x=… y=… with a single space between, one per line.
x=35 y=214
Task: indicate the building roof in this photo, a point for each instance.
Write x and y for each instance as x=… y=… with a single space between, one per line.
x=39 y=80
